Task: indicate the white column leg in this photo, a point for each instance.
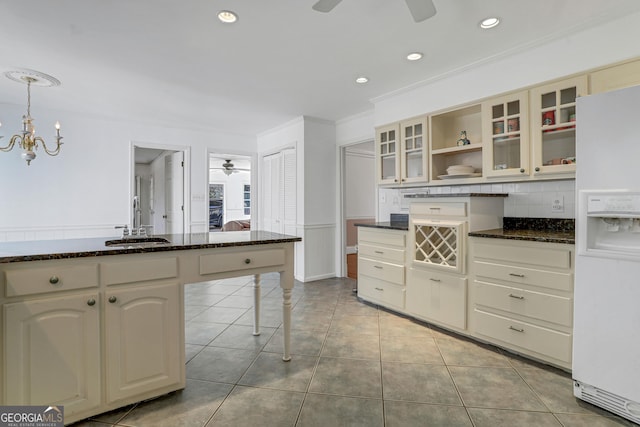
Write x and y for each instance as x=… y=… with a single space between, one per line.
x=256 y=304
x=286 y=283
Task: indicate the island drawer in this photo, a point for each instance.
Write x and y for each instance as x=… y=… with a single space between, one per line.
x=219 y=263
x=140 y=270
x=28 y=281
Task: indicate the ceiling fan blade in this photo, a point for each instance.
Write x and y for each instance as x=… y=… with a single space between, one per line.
x=325 y=5
x=421 y=9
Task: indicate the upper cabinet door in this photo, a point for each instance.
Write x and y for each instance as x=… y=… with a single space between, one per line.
x=413 y=149
x=506 y=135
x=553 y=126
x=387 y=158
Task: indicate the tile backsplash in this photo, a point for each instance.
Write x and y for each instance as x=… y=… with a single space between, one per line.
x=526 y=199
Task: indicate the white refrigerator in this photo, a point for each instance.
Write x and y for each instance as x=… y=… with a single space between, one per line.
x=606 y=346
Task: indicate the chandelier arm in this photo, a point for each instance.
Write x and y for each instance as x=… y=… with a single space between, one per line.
x=12 y=142
x=44 y=146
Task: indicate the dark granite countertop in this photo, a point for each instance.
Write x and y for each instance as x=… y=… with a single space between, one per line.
x=432 y=196
x=39 y=250
x=550 y=230
x=386 y=225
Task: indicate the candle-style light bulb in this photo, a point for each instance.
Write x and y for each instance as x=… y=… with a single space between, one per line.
x=57 y=125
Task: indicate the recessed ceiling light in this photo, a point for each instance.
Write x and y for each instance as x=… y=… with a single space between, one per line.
x=362 y=80
x=414 y=56
x=489 y=23
x=227 y=16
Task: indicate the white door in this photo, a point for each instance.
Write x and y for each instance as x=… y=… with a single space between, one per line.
x=279 y=192
x=174 y=198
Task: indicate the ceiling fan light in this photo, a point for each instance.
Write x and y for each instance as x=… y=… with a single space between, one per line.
x=414 y=56
x=227 y=16
x=487 y=23
x=362 y=80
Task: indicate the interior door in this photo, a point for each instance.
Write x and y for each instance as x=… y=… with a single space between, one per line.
x=173 y=196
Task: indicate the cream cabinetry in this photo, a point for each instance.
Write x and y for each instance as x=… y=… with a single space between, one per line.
x=401 y=152
x=52 y=351
x=142 y=330
x=381 y=270
x=506 y=132
x=616 y=77
x=64 y=323
x=553 y=125
x=521 y=297
x=437 y=297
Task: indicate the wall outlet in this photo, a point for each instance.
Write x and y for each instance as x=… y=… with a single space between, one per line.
x=557 y=204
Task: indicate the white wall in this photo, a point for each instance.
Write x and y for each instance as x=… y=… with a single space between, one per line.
x=86 y=190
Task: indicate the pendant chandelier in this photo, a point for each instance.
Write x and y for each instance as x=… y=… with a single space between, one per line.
x=27 y=139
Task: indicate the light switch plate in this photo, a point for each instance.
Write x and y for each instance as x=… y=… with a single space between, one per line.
x=557 y=204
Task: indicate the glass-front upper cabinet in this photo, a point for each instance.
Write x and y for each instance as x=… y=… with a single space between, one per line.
x=387 y=149
x=553 y=122
x=401 y=152
x=413 y=148
x=506 y=135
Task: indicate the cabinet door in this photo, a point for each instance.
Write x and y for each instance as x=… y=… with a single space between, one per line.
x=436 y=297
x=52 y=349
x=617 y=77
x=143 y=339
x=506 y=135
x=553 y=125
x=413 y=148
x=387 y=158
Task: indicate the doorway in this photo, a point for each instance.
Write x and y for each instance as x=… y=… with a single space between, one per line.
x=159 y=189
x=358 y=199
x=229 y=192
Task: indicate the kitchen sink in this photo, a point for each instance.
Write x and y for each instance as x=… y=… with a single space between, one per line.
x=137 y=241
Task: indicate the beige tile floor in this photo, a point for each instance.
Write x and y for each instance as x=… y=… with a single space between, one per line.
x=353 y=364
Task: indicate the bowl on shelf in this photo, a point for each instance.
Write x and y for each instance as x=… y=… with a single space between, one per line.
x=460 y=169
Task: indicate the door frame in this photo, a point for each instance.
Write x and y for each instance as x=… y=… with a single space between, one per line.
x=186 y=185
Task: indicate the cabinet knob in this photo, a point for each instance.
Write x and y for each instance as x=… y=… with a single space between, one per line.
x=247 y=261
x=91 y=302
x=537 y=169
x=54 y=280
x=112 y=299
x=395 y=180
x=522 y=170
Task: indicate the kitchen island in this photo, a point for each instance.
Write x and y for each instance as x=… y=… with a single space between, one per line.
x=94 y=327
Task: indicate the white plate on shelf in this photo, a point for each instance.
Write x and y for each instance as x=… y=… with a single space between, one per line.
x=460 y=175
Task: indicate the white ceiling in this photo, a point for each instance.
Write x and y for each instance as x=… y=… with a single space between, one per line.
x=172 y=62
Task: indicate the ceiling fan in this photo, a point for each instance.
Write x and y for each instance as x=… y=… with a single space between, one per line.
x=420 y=9
x=228 y=168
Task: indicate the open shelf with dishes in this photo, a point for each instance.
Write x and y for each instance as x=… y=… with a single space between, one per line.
x=456 y=139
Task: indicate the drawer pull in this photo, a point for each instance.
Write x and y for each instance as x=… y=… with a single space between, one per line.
x=516 y=329
x=112 y=299
x=54 y=280
x=378 y=267
x=247 y=261
x=435 y=208
x=516 y=275
x=434 y=280
x=379 y=289
x=379 y=252
x=516 y=296
x=91 y=302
